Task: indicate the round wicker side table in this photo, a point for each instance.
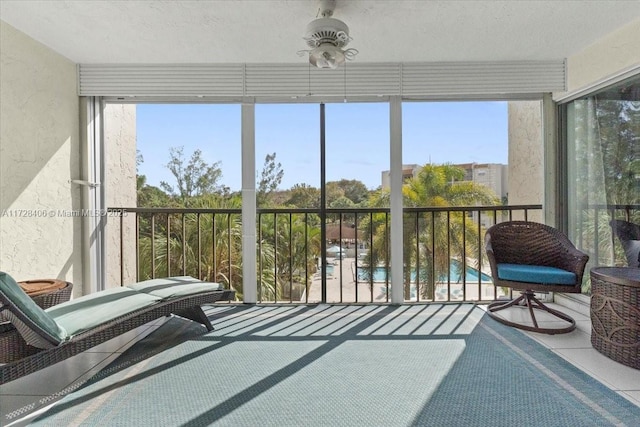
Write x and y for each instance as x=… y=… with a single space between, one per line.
x=47 y=292
x=615 y=313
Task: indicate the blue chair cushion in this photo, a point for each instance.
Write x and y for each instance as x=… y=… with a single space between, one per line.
x=536 y=274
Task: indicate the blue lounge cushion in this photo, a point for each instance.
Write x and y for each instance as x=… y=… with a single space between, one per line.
x=12 y=292
x=89 y=311
x=175 y=287
x=536 y=274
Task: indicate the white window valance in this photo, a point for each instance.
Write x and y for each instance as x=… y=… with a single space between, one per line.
x=286 y=81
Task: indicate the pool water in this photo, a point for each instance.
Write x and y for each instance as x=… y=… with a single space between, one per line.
x=455 y=274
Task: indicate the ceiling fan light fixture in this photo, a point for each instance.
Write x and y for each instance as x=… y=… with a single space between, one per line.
x=326 y=56
x=327 y=39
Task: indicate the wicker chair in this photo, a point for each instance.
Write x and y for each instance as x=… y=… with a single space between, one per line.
x=629 y=235
x=532 y=257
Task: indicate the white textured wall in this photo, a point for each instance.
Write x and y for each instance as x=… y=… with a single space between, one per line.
x=120 y=188
x=616 y=52
x=39 y=153
x=526 y=156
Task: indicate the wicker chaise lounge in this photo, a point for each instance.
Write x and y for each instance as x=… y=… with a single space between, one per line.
x=39 y=338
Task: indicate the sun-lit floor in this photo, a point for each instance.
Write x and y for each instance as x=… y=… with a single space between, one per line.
x=21 y=400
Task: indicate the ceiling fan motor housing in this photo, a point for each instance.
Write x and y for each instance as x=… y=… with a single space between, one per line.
x=327 y=31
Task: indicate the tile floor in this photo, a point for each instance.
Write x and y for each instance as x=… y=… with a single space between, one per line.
x=22 y=400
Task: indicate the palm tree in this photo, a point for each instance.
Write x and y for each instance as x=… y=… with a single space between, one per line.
x=209 y=246
x=205 y=245
x=431 y=239
x=288 y=258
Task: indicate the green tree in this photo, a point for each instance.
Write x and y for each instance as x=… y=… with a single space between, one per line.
x=149 y=196
x=294 y=245
x=304 y=196
x=354 y=190
x=270 y=178
x=333 y=192
x=618 y=129
x=207 y=246
x=193 y=177
x=342 y=203
x=152 y=197
x=434 y=186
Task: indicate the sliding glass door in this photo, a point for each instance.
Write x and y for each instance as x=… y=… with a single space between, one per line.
x=603 y=168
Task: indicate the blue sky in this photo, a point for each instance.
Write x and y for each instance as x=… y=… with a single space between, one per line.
x=357 y=137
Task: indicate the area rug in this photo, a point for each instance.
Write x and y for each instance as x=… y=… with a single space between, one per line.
x=420 y=365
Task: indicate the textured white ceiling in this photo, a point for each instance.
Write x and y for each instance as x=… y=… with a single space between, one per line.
x=265 y=31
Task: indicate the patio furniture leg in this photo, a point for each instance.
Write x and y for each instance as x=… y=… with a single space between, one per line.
x=197 y=315
x=499 y=305
x=530 y=306
x=527 y=299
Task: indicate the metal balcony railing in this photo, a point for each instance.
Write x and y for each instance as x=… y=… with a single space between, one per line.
x=443 y=251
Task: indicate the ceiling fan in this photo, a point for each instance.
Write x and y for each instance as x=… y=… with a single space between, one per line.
x=327 y=37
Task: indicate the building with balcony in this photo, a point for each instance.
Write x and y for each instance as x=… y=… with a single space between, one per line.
x=492 y=175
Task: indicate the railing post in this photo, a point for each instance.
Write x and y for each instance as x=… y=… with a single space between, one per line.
x=137 y=218
x=168 y=245
x=199 y=247
x=290 y=257
x=121 y=250
x=184 y=245
x=153 y=245
x=417 y=234
x=306 y=257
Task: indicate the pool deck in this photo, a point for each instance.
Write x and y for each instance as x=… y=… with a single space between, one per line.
x=341 y=287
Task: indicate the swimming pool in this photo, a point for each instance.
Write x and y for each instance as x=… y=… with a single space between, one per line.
x=455 y=274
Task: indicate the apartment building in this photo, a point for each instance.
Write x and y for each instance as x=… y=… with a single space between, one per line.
x=492 y=175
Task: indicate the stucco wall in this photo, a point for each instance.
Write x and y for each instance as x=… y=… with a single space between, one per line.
x=526 y=156
x=120 y=191
x=39 y=154
x=616 y=52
